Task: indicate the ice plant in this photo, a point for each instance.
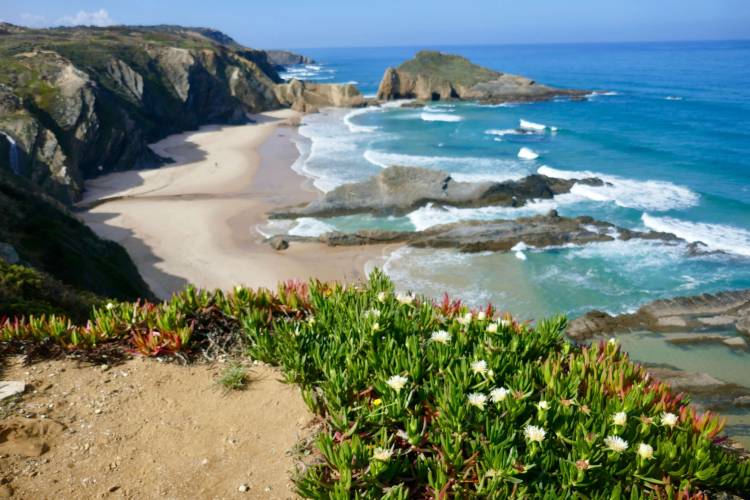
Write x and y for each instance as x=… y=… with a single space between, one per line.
x=668 y=419
x=620 y=418
x=440 y=336
x=479 y=367
x=645 y=451
x=498 y=394
x=376 y=327
x=481 y=315
x=616 y=443
x=405 y=298
x=397 y=382
x=110 y=306
x=492 y=328
x=534 y=434
x=465 y=319
x=382 y=296
x=543 y=405
x=477 y=399
x=382 y=454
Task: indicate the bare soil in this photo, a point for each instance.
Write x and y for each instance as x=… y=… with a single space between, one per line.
x=146 y=429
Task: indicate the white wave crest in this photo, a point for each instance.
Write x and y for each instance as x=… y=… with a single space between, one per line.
x=432 y=215
x=597 y=93
x=527 y=154
x=505 y=131
x=643 y=195
x=537 y=127
x=715 y=236
x=440 y=117
x=673 y=98
x=359 y=129
x=308 y=226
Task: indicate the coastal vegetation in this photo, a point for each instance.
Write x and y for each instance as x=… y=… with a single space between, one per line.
x=423 y=399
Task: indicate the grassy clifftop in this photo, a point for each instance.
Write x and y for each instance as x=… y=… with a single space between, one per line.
x=425 y=400
x=447 y=67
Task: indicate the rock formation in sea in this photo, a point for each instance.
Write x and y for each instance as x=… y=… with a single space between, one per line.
x=434 y=76
x=310 y=97
x=492 y=235
x=398 y=190
x=696 y=319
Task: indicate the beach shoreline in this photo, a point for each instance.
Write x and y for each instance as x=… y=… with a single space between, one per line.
x=194 y=221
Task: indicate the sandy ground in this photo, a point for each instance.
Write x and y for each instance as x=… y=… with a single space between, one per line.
x=194 y=221
x=145 y=429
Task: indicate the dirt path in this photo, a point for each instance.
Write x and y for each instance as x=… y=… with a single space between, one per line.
x=146 y=429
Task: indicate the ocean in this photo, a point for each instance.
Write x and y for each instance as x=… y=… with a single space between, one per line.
x=667 y=125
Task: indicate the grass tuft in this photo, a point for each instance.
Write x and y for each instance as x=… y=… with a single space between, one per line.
x=234 y=377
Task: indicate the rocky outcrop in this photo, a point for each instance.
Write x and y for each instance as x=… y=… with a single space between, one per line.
x=496 y=235
x=310 y=97
x=434 y=76
x=398 y=190
x=698 y=314
x=79 y=102
x=283 y=58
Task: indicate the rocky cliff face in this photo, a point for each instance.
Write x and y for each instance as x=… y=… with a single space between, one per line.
x=434 y=76
x=309 y=97
x=83 y=101
x=283 y=58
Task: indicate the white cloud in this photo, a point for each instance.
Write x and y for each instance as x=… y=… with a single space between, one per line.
x=83 y=18
x=33 y=20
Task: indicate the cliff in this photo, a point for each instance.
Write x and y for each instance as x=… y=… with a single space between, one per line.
x=78 y=102
x=434 y=76
x=37 y=231
x=283 y=58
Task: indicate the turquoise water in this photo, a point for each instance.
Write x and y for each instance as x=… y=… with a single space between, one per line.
x=668 y=127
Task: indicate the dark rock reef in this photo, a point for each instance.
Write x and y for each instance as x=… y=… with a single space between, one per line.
x=398 y=190
x=497 y=235
x=434 y=76
x=694 y=317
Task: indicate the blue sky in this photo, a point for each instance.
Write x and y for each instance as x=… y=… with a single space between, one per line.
x=351 y=23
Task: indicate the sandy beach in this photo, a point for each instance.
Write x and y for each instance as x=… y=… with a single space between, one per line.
x=194 y=221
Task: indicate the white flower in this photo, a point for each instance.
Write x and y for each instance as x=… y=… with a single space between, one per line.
x=612 y=341
x=543 y=405
x=238 y=289
x=466 y=319
x=375 y=327
x=397 y=382
x=372 y=313
x=441 y=336
x=645 y=451
x=668 y=419
x=479 y=366
x=620 y=418
x=616 y=443
x=311 y=321
x=481 y=315
x=504 y=323
x=405 y=298
x=477 y=399
x=534 y=433
x=382 y=454
x=382 y=296
x=492 y=328
x=499 y=394
x=110 y=306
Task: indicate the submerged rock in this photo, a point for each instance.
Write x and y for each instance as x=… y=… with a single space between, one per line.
x=434 y=76
x=398 y=190
x=700 y=313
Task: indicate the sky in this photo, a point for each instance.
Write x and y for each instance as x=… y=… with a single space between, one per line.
x=351 y=23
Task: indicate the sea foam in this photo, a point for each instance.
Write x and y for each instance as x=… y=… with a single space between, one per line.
x=359 y=129
x=440 y=117
x=716 y=236
x=527 y=154
x=628 y=193
x=537 y=127
x=433 y=215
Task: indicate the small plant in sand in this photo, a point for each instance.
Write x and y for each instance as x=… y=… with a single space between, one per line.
x=234 y=377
